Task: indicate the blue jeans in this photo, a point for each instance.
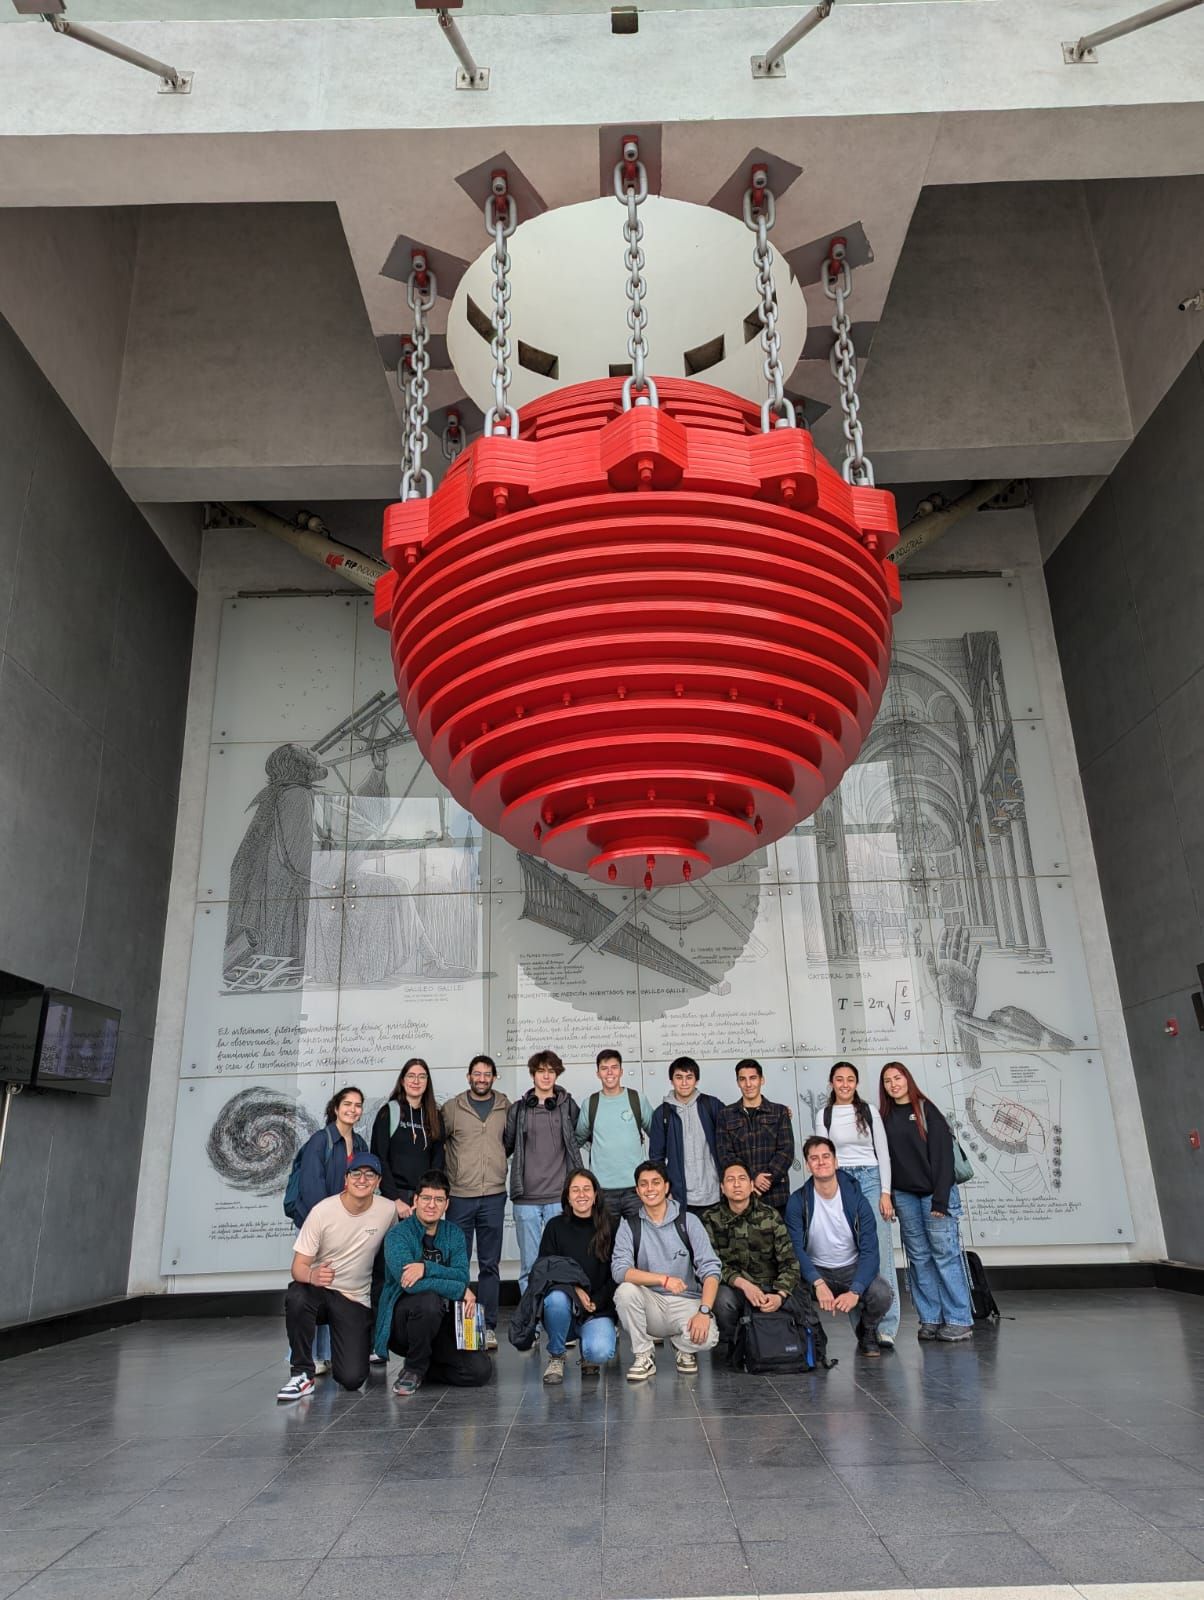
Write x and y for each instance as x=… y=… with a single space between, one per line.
x=483 y=1214
x=870 y=1180
x=562 y=1313
x=935 y=1268
x=529 y=1222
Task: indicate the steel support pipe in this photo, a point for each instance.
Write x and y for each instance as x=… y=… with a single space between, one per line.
x=927 y=529
x=771 y=64
x=1083 y=51
x=350 y=564
x=171 y=79
x=470 y=76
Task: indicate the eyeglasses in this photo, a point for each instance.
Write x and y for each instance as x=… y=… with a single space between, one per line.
x=363 y=1175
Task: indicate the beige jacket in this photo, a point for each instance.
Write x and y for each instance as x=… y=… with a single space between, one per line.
x=473 y=1150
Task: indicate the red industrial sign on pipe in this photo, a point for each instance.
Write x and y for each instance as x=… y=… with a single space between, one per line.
x=641 y=644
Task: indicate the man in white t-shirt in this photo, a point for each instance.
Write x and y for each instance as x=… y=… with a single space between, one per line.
x=835 y=1237
x=332 y=1279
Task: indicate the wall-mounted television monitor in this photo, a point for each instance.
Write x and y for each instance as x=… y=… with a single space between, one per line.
x=77 y=1048
x=20 y=1025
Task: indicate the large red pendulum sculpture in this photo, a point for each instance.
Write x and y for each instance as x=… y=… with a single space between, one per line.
x=641 y=643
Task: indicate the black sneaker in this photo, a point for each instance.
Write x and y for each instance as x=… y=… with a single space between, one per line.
x=408 y=1383
x=869 y=1347
x=928 y=1331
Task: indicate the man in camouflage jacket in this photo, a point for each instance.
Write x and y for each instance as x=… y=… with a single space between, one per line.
x=760 y=1269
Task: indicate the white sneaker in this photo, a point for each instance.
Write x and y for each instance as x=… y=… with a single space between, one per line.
x=641 y=1369
x=377 y=1361
x=686 y=1362
x=554 y=1371
x=321 y=1368
x=490 y=1340
x=297 y=1387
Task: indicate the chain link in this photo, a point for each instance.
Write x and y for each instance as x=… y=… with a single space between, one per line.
x=501 y=218
x=631 y=190
x=421 y=293
x=857 y=467
x=405 y=377
x=452 y=438
x=760 y=214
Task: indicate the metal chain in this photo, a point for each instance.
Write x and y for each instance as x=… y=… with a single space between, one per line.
x=452 y=438
x=405 y=378
x=631 y=190
x=501 y=218
x=421 y=293
x=760 y=214
x=857 y=468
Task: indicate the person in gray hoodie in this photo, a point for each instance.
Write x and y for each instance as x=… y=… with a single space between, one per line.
x=683 y=1136
x=667 y=1276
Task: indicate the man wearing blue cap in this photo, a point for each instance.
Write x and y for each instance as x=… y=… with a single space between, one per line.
x=332 y=1279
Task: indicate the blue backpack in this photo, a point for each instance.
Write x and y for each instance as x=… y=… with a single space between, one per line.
x=292 y=1189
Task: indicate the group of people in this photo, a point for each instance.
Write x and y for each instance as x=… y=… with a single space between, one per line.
x=674 y=1224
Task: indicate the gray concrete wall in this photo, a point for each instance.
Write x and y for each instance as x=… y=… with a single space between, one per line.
x=1125 y=589
x=95 y=638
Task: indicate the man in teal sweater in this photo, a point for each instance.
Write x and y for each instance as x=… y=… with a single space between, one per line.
x=426 y=1271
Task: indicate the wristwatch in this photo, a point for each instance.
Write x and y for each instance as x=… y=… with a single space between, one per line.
x=706 y=1311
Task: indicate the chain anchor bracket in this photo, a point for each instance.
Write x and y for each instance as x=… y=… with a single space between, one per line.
x=760 y=214
x=631 y=190
x=773 y=63
x=837 y=277
x=1082 y=52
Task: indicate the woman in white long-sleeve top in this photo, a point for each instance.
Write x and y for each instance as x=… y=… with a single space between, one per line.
x=856 y=1130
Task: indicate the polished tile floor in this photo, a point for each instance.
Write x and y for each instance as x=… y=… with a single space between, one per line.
x=1065 y=1447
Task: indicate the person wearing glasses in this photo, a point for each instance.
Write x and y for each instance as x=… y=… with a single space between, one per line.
x=426 y=1273
x=332 y=1276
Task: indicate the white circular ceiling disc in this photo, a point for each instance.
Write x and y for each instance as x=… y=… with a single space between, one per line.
x=568 y=302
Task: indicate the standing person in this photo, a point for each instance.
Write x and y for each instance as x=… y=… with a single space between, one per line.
x=541 y=1135
x=407 y=1135
x=928 y=1205
x=856 y=1130
x=614 y=1123
x=835 y=1237
x=683 y=1138
x=426 y=1273
x=758 y=1133
x=667 y=1277
x=325 y=1158
x=474 y=1150
x=331 y=1274
x=759 y=1269
x=584 y=1232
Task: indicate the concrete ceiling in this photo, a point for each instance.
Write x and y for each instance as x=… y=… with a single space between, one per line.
x=202 y=279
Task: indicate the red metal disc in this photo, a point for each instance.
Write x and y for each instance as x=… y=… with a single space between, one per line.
x=642 y=644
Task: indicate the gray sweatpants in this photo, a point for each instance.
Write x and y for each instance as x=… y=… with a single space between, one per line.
x=651 y=1313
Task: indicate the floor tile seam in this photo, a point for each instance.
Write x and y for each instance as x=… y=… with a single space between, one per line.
x=1166 y=1455
x=727 y=1499
x=493 y=1471
x=607 y=1374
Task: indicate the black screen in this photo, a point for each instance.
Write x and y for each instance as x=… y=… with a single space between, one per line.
x=78 y=1050
x=20 y=1019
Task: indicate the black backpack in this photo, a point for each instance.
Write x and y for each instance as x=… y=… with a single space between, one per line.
x=789 y=1340
x=982 y=1301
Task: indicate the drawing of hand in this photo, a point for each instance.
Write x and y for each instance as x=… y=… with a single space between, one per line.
x=955 y=969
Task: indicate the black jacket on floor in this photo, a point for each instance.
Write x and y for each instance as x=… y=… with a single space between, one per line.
x=549 y=1272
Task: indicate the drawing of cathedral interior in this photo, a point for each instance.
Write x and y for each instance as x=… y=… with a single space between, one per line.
x=930 y=822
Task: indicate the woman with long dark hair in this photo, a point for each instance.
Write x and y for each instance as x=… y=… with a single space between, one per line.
x=323 y=1173
x=856 y=1130
x=928 y=1206
x=584 y=1232
x=407 y=1135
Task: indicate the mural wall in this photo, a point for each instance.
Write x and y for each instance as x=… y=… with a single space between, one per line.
x=350 y=914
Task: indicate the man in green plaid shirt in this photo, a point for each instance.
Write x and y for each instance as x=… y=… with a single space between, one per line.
x=759 y=1266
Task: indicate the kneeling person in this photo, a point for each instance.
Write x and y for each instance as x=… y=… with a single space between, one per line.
x=332 y=1279
x=667 y=1276
x=426 y=1272
x=835 y=1236
x=757 y=1260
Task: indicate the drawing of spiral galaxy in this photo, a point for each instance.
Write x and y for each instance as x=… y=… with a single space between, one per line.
x=254 y=1138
